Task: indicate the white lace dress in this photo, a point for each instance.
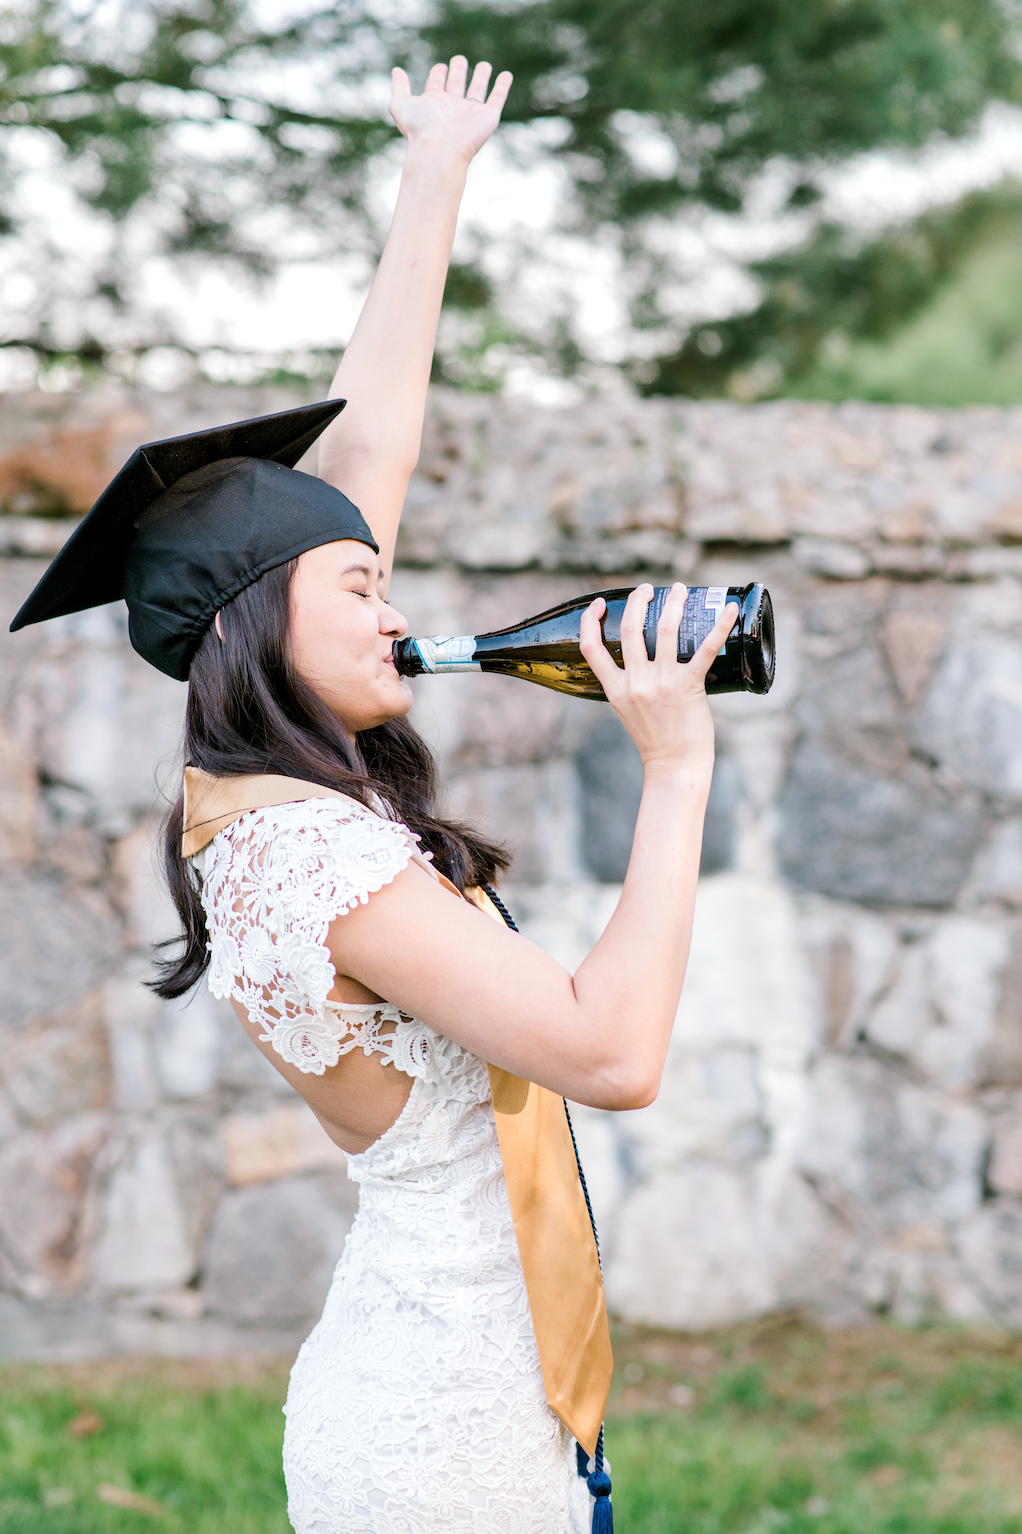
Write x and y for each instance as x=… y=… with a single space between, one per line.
x=417 y=1403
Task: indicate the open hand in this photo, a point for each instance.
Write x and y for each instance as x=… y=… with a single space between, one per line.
x=662 y=704
x=446 y=111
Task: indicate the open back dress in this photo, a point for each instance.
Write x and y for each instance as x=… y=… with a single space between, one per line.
x=417 y=1403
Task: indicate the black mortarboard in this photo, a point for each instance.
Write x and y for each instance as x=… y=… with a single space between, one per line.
x=190 y=522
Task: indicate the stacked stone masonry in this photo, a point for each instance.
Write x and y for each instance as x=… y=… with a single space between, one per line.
x=840 y=1123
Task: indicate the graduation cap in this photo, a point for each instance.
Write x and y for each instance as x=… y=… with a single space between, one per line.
x=190 y=522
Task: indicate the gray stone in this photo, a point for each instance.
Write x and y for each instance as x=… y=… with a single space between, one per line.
x=837 y=1074
x=161 y=1192
x=139 y=887
x=1004 y=1174
x=274 y=1247
x=130 y=1011
x=912 y=638
x=972 y=719
x=854 y=955
x=887 y=1153
x=57 y=942
x=1002 y=1056
x=19 y=795
x=997 y=874
x=610 y=779
x=824 y=556
x=505 y=722
x=60 y=1067
x=102 y=720
x=940 y=1012
x=720 y=828
x=59 y=1330
x=712 y=1106
x=688 y=1250
x=610 y=782
x=880 y=841
x=278 y=1141
x=45 y=1177
x=529 y=809
x=187 y=1036
x=853 y=709
x=991 y=1247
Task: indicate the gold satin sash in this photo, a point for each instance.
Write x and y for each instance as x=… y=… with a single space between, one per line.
x=555 y=1238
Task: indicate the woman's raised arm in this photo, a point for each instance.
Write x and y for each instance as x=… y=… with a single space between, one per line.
x=370 y=451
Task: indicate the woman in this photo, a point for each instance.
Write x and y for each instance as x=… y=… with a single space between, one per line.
x=418 y=1402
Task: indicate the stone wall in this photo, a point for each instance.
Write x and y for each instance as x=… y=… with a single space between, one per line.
x=840 y=1124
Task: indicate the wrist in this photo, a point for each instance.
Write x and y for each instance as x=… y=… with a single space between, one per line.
x=695 y=768
x=431 y=149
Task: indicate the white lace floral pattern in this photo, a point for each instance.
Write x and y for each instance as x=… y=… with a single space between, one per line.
x=416 y=1406
x=272 y=884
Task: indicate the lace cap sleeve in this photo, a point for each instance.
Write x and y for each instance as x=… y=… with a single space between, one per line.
x=273 y=882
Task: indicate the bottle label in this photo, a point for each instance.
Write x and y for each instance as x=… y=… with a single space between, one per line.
x=447 y=652
x=703 y=608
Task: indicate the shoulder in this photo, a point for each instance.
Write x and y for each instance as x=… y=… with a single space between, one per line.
x=335 y=850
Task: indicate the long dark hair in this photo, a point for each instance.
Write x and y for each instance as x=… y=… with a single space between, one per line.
x=249 y=711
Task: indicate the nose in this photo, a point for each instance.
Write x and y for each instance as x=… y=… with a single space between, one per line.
x=392 y=622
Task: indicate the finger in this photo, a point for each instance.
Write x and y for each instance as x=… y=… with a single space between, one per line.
x=457 y=74
x=669 y=624
x=400 y=85
x=595 y=653
x=501 y=86
x=437 y=78
x=633 y=645
x=707 y=652
x=480 y=80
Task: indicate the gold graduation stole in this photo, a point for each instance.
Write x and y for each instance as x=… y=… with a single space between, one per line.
x=552 y=1224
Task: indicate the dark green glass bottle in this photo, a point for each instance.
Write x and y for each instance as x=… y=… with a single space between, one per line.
x=545 y=649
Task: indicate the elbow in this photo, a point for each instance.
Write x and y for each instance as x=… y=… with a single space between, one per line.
x=624 y=1086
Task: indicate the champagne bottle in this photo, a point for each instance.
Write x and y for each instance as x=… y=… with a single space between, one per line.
x=545 y=649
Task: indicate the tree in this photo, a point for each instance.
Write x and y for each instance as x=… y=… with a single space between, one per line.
x=195 y=131
x=182 y=131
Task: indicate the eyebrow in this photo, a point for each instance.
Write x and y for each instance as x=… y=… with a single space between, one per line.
x=366 y=570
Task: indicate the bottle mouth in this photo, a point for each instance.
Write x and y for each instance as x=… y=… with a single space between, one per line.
x=766 y=635
x=759 y=653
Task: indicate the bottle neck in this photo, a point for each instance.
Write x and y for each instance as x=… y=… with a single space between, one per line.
x=438 y=655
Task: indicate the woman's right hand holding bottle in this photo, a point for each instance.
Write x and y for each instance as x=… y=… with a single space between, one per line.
x=661 y=703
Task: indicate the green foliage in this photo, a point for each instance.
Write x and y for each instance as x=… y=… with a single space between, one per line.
x=735 y=84
x=220 y=132
x=835 y=290
x=963 y=348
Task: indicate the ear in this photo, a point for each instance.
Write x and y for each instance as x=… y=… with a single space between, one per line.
x=219 y=630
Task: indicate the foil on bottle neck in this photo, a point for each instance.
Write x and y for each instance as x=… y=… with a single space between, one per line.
x=444 y=653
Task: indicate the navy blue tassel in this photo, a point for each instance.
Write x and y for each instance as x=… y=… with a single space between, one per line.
x=599 y=1488
x=603 y=1516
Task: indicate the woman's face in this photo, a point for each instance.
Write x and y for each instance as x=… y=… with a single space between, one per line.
x=341 y=634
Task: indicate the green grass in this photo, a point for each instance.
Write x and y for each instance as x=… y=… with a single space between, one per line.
x=203 y=1441
x=884 y=1431
x=781 y=1428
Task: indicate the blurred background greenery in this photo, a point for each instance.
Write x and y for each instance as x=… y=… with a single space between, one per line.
x=695 y=152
